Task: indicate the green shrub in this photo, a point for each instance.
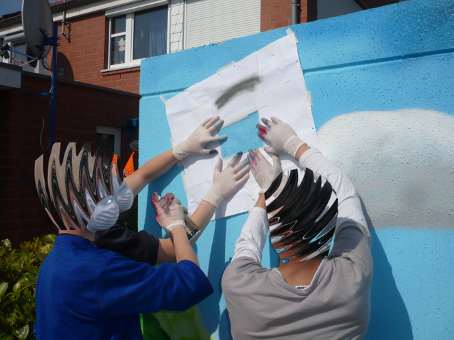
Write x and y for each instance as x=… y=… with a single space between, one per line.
x=18 y=273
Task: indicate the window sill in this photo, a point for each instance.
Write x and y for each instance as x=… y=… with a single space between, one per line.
x=121 y=68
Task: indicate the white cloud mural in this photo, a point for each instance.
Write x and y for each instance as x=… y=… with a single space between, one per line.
x=402 y=163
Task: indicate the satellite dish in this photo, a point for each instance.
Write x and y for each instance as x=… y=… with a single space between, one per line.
x=38 y=25
x=41 y=33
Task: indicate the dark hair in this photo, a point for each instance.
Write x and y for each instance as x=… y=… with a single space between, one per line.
x=302 y=216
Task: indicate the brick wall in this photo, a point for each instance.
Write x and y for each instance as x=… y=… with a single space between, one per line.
x=83 y=57
x=278 y=13
x=80 y=108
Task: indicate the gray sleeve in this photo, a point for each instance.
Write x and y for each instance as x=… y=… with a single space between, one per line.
x=352 y=238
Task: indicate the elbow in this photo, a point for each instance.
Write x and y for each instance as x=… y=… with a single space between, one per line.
x=197 y=287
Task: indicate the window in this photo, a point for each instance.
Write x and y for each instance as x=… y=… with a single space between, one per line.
x=109 y=139
x=213 y=21
x=118 y=40
x=139 y=35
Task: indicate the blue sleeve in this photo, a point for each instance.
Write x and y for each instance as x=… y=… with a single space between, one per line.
x=128 y=287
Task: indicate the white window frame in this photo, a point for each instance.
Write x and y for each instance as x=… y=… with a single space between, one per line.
x=116 y=132
x=130 y=11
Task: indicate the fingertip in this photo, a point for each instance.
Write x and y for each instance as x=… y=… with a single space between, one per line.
x=223 y=139
x=169 y=197
x=265 y=121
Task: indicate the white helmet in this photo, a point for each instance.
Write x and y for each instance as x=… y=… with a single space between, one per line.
x=82 y=191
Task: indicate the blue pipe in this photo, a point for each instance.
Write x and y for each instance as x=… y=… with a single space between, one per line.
x=53 y=88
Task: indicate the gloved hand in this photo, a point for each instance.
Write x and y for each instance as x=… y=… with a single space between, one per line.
x=169 y=211
x=228 y=181
x=280 y=137
x=263 y=171
x=202 y=140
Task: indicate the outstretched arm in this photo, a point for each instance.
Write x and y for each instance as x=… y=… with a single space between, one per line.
x=150 y=171
x=282 y=139
x=201 y=217
x=226 y=183
x=254 y=232
x=170 y=215
x=352 y=233
x=202 y=141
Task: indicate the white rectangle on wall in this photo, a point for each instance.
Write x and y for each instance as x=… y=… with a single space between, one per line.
x=213 y=21
x=279 y=90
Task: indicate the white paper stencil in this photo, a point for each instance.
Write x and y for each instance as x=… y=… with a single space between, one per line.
x=269 y=81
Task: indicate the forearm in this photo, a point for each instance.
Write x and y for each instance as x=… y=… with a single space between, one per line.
x=182 y=247
x=150 y=171
x=254 y=233
x=349 y=204
x=166 y=251
x=202 y=215
x=314 y=160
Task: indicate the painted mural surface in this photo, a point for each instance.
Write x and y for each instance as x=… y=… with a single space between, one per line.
x=381 y=83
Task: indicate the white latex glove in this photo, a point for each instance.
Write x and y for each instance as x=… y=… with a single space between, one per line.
x=169 y=211
x=263 y=171
x=280 y=136
x=202 y=140
x=228 y=181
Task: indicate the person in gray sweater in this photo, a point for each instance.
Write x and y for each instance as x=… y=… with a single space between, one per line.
x=321 y=288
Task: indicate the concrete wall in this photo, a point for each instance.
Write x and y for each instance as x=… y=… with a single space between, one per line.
x=381 y=83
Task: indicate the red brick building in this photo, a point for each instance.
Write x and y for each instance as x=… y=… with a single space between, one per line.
x=85 y=113
x=104 y=41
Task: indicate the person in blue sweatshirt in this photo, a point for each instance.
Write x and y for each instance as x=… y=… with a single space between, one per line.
x=88 y=292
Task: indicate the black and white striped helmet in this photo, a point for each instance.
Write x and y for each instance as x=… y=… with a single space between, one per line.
x=82 y=190
x=302 y=215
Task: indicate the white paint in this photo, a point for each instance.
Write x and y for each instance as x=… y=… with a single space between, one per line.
x=402 y=163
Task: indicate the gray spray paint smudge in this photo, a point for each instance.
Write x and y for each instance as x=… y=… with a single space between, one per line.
x=248 y=84
x=402 y=163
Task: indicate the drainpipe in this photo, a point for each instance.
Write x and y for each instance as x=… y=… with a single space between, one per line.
x=295 y=11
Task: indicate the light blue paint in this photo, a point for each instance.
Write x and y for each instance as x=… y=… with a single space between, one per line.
x=393 y=57
x=240 y=138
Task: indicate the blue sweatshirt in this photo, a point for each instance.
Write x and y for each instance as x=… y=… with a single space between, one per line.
x=84 y=292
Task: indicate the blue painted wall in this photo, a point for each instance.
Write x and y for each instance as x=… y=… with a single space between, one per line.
x=393 y=57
